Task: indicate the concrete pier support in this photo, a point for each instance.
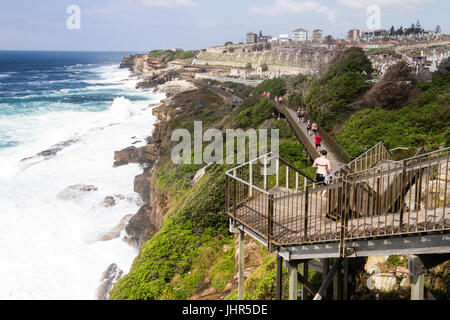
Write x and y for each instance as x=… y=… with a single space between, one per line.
x=279 y=284
x=416 y=277
x=293 y=280
x=305 y=270
x=241 y=266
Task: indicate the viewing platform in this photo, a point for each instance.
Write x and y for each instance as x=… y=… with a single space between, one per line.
x=371 y=206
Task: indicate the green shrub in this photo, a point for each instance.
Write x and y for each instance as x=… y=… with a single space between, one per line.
x=276 y=87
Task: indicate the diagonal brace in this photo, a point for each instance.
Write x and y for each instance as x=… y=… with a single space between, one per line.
x=306 y=284
x=328 y=279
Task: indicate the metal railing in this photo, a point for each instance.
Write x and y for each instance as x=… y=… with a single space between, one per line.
x=248 y=185
x=365 y=161
x=392 y=199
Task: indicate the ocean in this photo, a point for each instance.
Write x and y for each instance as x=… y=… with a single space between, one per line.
x=79 y=108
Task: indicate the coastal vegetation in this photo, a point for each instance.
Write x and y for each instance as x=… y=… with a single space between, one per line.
x=194 y=248
x=166 y=56
x=194 y=253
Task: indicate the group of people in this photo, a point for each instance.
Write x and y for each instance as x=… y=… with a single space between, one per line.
x=310 y=127
x=322 y=164
x=277 y=99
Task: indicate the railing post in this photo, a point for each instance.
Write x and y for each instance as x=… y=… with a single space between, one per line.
x=277 y=172
x=251 y=179
x=241 y=278
x=343 y=212
x=265 y=173
x=403 y=195
x=234 y=198
x=287 y=177
x=227 y=193
x=306 y=213
x=270 y=221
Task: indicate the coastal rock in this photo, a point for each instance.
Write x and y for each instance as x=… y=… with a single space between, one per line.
x=115 y=232
x=74 y=192
x=374 y=262
x=109 y=277
x=126 y=156
x=142 y=185
x=51 y=152
x=384 y=282
x=146 y=155
x=137 y=228
x=175 y=87
x=109 y=202
x=151 y=82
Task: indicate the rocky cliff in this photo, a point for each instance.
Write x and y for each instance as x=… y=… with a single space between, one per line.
x=152 y=71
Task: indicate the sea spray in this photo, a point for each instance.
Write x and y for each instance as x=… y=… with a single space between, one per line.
x=47 y=242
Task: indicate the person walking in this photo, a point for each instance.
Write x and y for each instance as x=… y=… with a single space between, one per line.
x=314 y=128
x=302 y=115
x=318 y=141
x=308 y=127
x=299 y=115
x=323 y=166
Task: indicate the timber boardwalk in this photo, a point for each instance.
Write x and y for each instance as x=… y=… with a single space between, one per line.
x=373 y=206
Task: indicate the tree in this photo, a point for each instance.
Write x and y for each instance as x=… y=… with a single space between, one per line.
x=264 y=67
x=329 y=40
x=394 y=89
x=248 y=66
x=392 y=32
x=228 y=43
x=260 y=33
x=268 y=46
x=231 y=50
x=418 y=26
x=438 y=29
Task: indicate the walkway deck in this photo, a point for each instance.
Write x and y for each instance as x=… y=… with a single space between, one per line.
x=289 y=220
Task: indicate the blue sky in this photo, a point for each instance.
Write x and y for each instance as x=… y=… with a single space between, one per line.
x=142 y=25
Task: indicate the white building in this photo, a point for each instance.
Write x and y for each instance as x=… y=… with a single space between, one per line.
x=273 y=40
x=299 y=35
x=283 y=38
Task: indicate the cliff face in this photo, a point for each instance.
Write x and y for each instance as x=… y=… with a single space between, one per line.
x=152 y=71
x=147 y=221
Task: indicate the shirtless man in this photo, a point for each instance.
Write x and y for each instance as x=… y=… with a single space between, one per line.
x=323 y=166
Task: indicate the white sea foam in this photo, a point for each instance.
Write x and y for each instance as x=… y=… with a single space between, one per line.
x=46 y=248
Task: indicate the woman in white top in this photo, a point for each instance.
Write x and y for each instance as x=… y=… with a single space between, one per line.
x=323 y=166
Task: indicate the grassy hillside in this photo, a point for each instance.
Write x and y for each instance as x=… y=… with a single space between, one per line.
x=422 y=122
x=329 y=98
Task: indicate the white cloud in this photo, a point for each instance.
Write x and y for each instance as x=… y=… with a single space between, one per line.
x=119 y=5
x=359 y=4
x=290 y=6
x=165 y=3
